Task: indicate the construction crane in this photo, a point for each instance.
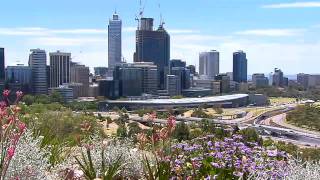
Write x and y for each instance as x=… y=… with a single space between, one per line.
x=141 y=11
x=161 y=18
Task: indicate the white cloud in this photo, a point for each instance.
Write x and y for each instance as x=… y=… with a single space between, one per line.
x=129 y=29
x=62 y=41
x=316 y=26
x=310 y=4
x=38 y=31
x=32 y=31
x=182 y=31
x=272 y=32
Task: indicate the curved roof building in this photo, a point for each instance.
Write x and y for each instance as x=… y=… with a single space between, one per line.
x=235 y=100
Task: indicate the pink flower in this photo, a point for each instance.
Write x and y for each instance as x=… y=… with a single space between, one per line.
x=19 y=94
x=22 y=127
x=11 y=119
x=3 y=104
x=11 y=152
x=171 y=122
x=6 y=93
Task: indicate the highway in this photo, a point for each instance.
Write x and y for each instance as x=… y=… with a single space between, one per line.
x=262 y=123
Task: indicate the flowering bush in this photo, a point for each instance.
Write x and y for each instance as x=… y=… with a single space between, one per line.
x=11 y=129
x=295 y=169
x=207 y=157
x=107 y=160
x=29 y=161
x=227 y=159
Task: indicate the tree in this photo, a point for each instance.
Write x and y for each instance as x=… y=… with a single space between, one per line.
x=250 y=135
x=55 y=96
x=42 y=99
x=28 y=99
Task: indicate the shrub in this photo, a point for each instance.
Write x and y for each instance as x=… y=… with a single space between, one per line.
x=181 y=132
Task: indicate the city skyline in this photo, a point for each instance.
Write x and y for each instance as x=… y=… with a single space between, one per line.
x=282 y=32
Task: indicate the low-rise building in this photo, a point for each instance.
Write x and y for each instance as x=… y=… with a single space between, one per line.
x=65 y=91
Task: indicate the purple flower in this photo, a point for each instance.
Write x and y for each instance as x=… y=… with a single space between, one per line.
x=238 y=174
x=216 y=165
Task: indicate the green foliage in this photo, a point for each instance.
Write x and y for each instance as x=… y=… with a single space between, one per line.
x=122 y=131
x=163 y=115
x=196 y=132
x=181 y=132
x=305 y=116
x=160 y=171
x=59 y=127
x=200 y=113
x=207 y=126
x=124 y=118
x=108 y=171
x=218 y=110
x=28 y=99
x=56 y=97
x=251 y=135
x=83 y=106
x=142 y=112
x=134 y=129
x=177 y=97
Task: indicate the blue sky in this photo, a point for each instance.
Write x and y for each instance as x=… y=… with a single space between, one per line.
x=274 y=33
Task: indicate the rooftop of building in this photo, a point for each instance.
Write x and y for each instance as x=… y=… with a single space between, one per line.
x=184 y=100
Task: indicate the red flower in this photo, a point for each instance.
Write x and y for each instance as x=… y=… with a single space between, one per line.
x=171 y=122
x=11 y=119
x=22 y=127
x=11 y=152
x=155 y=137
x=6 y=93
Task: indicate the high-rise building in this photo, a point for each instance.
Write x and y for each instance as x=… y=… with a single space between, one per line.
x=114 y=41
x=224 y=80
x=192 y=69
x=149 y=76
x=146 y=72
x=80 y=74
x=2 y=66
x=303 y=80
x=153 y=46
x=38 y=64
x=60 y=68
x=209 y=64
x=308 y=80
x=240 y=67
x=109 y=88
x=18 y=74
x=259 y=80
x=177 y=63
x=278 y=79
x=18 y=77
x=173 y=85
x=184 y=75
x=100 y=71
x=130 y=80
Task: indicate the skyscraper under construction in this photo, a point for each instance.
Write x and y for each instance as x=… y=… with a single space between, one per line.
x=153 y=46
